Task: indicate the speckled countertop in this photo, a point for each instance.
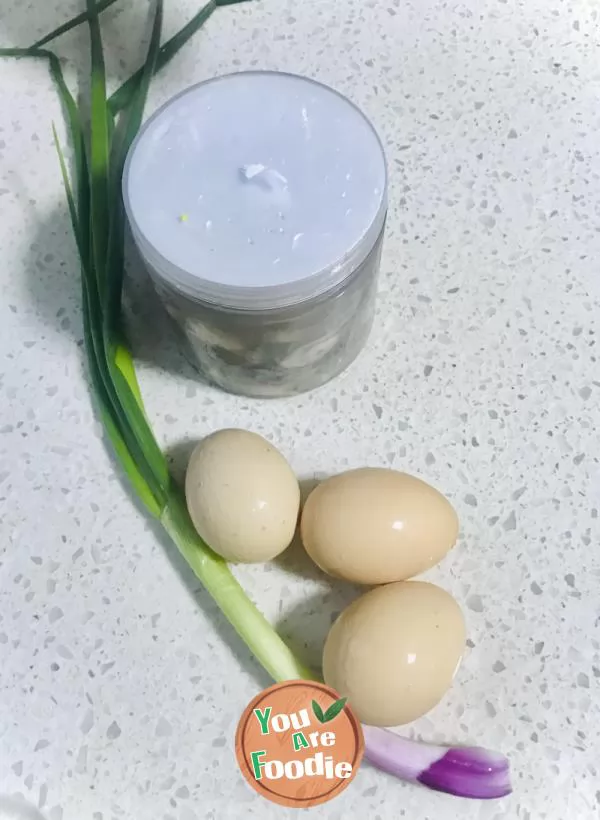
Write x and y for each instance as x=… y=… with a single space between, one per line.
x=120 y=684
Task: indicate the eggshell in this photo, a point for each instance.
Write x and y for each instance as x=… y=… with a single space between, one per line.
x=394 y=651
x=375 y=526
x=242 y=496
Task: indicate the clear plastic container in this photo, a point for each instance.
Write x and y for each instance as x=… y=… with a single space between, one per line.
x=258 y=203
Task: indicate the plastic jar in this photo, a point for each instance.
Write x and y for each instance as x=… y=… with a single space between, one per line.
x=257 y=201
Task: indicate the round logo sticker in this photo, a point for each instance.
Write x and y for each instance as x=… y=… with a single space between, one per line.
x=299 y=744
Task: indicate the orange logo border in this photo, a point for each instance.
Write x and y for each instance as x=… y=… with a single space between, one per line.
x=243 y=756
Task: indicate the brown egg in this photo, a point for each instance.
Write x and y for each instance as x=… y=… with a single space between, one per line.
x=374 y=526
x=242 y=496
x=394 y=652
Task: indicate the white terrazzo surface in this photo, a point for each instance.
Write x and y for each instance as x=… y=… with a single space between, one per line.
x=120 y=685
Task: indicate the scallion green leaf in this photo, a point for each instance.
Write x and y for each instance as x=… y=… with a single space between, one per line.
x=99 y=148
x=104 y=403
x=129 y=125
x=123 y=95
x=73 y=23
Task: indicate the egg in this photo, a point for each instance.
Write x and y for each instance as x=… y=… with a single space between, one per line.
x=242 y=496
x=394 y=651
x=375 y=526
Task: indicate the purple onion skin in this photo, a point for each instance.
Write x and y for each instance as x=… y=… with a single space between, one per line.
x=462 y=771
x=467 y=772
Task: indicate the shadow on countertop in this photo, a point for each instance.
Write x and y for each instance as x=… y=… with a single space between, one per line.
x=305 y=626
x=54 y=290
x=54 y=286
x=53 y=283
x=15 y=808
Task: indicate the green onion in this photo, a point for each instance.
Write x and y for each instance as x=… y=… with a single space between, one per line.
x=96 y=211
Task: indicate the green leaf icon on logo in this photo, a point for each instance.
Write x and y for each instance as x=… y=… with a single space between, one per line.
x=331 y=713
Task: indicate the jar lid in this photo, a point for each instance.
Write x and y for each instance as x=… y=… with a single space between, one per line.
x=256 y=190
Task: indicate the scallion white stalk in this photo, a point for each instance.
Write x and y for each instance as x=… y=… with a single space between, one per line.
x=218 y=580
